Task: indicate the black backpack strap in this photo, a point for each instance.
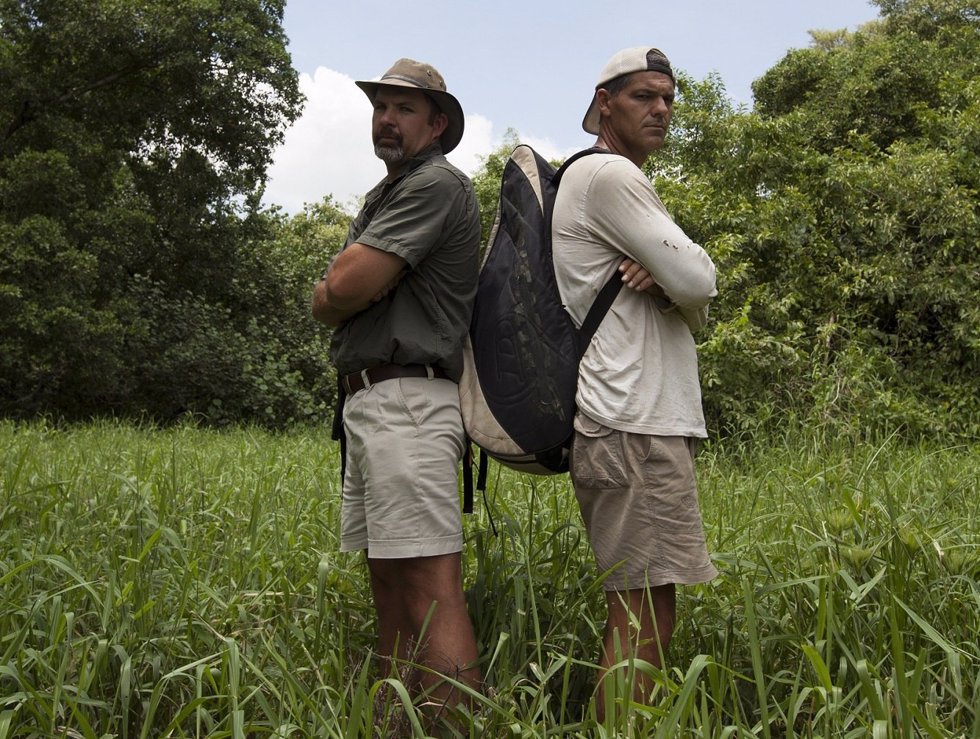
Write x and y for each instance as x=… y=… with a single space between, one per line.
x=481 y=476
x=337 y=432
x=604 y=300
x=600 y=306
x=556 y=180
x=468 y=478
x=481 y=482
x=481 y=485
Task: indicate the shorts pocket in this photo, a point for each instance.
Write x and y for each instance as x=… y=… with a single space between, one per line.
x=598 y=459
x=418 y=405
x=670 y=484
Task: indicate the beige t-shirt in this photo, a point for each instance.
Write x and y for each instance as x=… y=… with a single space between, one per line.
x=640 y=372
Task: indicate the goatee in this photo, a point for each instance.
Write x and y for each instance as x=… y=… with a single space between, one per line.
x=389 y=154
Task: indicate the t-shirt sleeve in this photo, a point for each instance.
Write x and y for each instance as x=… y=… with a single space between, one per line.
x=413 y=220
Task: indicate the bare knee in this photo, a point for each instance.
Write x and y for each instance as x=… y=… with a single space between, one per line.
x=414 y=584
x=644 y=615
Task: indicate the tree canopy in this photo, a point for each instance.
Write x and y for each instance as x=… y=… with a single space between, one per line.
x=843 y=216
x=134 y=139
x=139 y=276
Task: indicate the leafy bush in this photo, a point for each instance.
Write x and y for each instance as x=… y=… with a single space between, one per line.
x=137 y=276
x=843 y=222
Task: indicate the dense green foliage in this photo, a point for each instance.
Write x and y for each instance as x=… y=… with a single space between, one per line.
x=844 y=219
x=187 y=583
x=136 y=273
x=139 y=277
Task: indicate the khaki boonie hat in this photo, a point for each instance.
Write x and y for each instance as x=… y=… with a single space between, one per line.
x=627 y=61
x=425 y=77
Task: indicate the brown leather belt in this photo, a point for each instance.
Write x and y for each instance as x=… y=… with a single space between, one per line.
x=359 y=380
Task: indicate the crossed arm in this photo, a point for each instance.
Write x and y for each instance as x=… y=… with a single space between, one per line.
x=361 y=275
x=357 y=277
x=636 y=277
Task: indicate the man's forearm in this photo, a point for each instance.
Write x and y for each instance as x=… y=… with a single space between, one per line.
x=357 y=277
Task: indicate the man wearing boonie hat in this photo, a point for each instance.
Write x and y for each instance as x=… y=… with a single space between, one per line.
x=639 y=399
x=399 y=295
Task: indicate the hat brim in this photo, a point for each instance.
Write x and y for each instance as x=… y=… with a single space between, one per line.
x=593 y=118
x=446 y=103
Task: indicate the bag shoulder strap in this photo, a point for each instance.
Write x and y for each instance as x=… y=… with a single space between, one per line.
x=556 y=179
x=597 y=311
x=604 y=300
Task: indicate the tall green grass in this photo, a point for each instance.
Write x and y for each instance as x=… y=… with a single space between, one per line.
x=187 y=583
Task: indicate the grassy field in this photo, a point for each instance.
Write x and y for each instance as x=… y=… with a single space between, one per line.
x=187 y=583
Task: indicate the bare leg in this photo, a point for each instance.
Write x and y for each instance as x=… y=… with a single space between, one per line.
x=621 y=638
x=395 y=631
x=404 y=593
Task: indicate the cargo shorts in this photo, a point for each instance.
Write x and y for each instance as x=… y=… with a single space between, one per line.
x=639 y=501
x=401 y=493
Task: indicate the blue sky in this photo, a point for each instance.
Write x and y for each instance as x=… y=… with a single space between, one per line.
x=529 y=66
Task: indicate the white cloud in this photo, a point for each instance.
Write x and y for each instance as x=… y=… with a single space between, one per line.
x=477 y=142
x=328 y=151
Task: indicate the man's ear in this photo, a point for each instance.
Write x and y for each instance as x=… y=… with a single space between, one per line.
x=439 y=124
x=603 y=97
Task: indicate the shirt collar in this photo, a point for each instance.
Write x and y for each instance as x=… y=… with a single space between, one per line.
x=427 y=154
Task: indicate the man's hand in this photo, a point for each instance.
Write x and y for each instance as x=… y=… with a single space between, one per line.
x=638 y=278
x=635 y=276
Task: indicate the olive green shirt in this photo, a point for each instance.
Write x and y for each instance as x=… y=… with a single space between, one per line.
x=430 y=218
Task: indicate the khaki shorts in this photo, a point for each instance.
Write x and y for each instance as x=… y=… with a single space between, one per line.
x=401 y=495
x=639 y=501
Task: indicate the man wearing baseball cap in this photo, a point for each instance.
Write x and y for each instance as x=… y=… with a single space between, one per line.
x=639 y=400
x=399 y=296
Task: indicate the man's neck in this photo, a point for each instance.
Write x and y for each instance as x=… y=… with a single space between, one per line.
x=602 y=143
x=397 y=169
